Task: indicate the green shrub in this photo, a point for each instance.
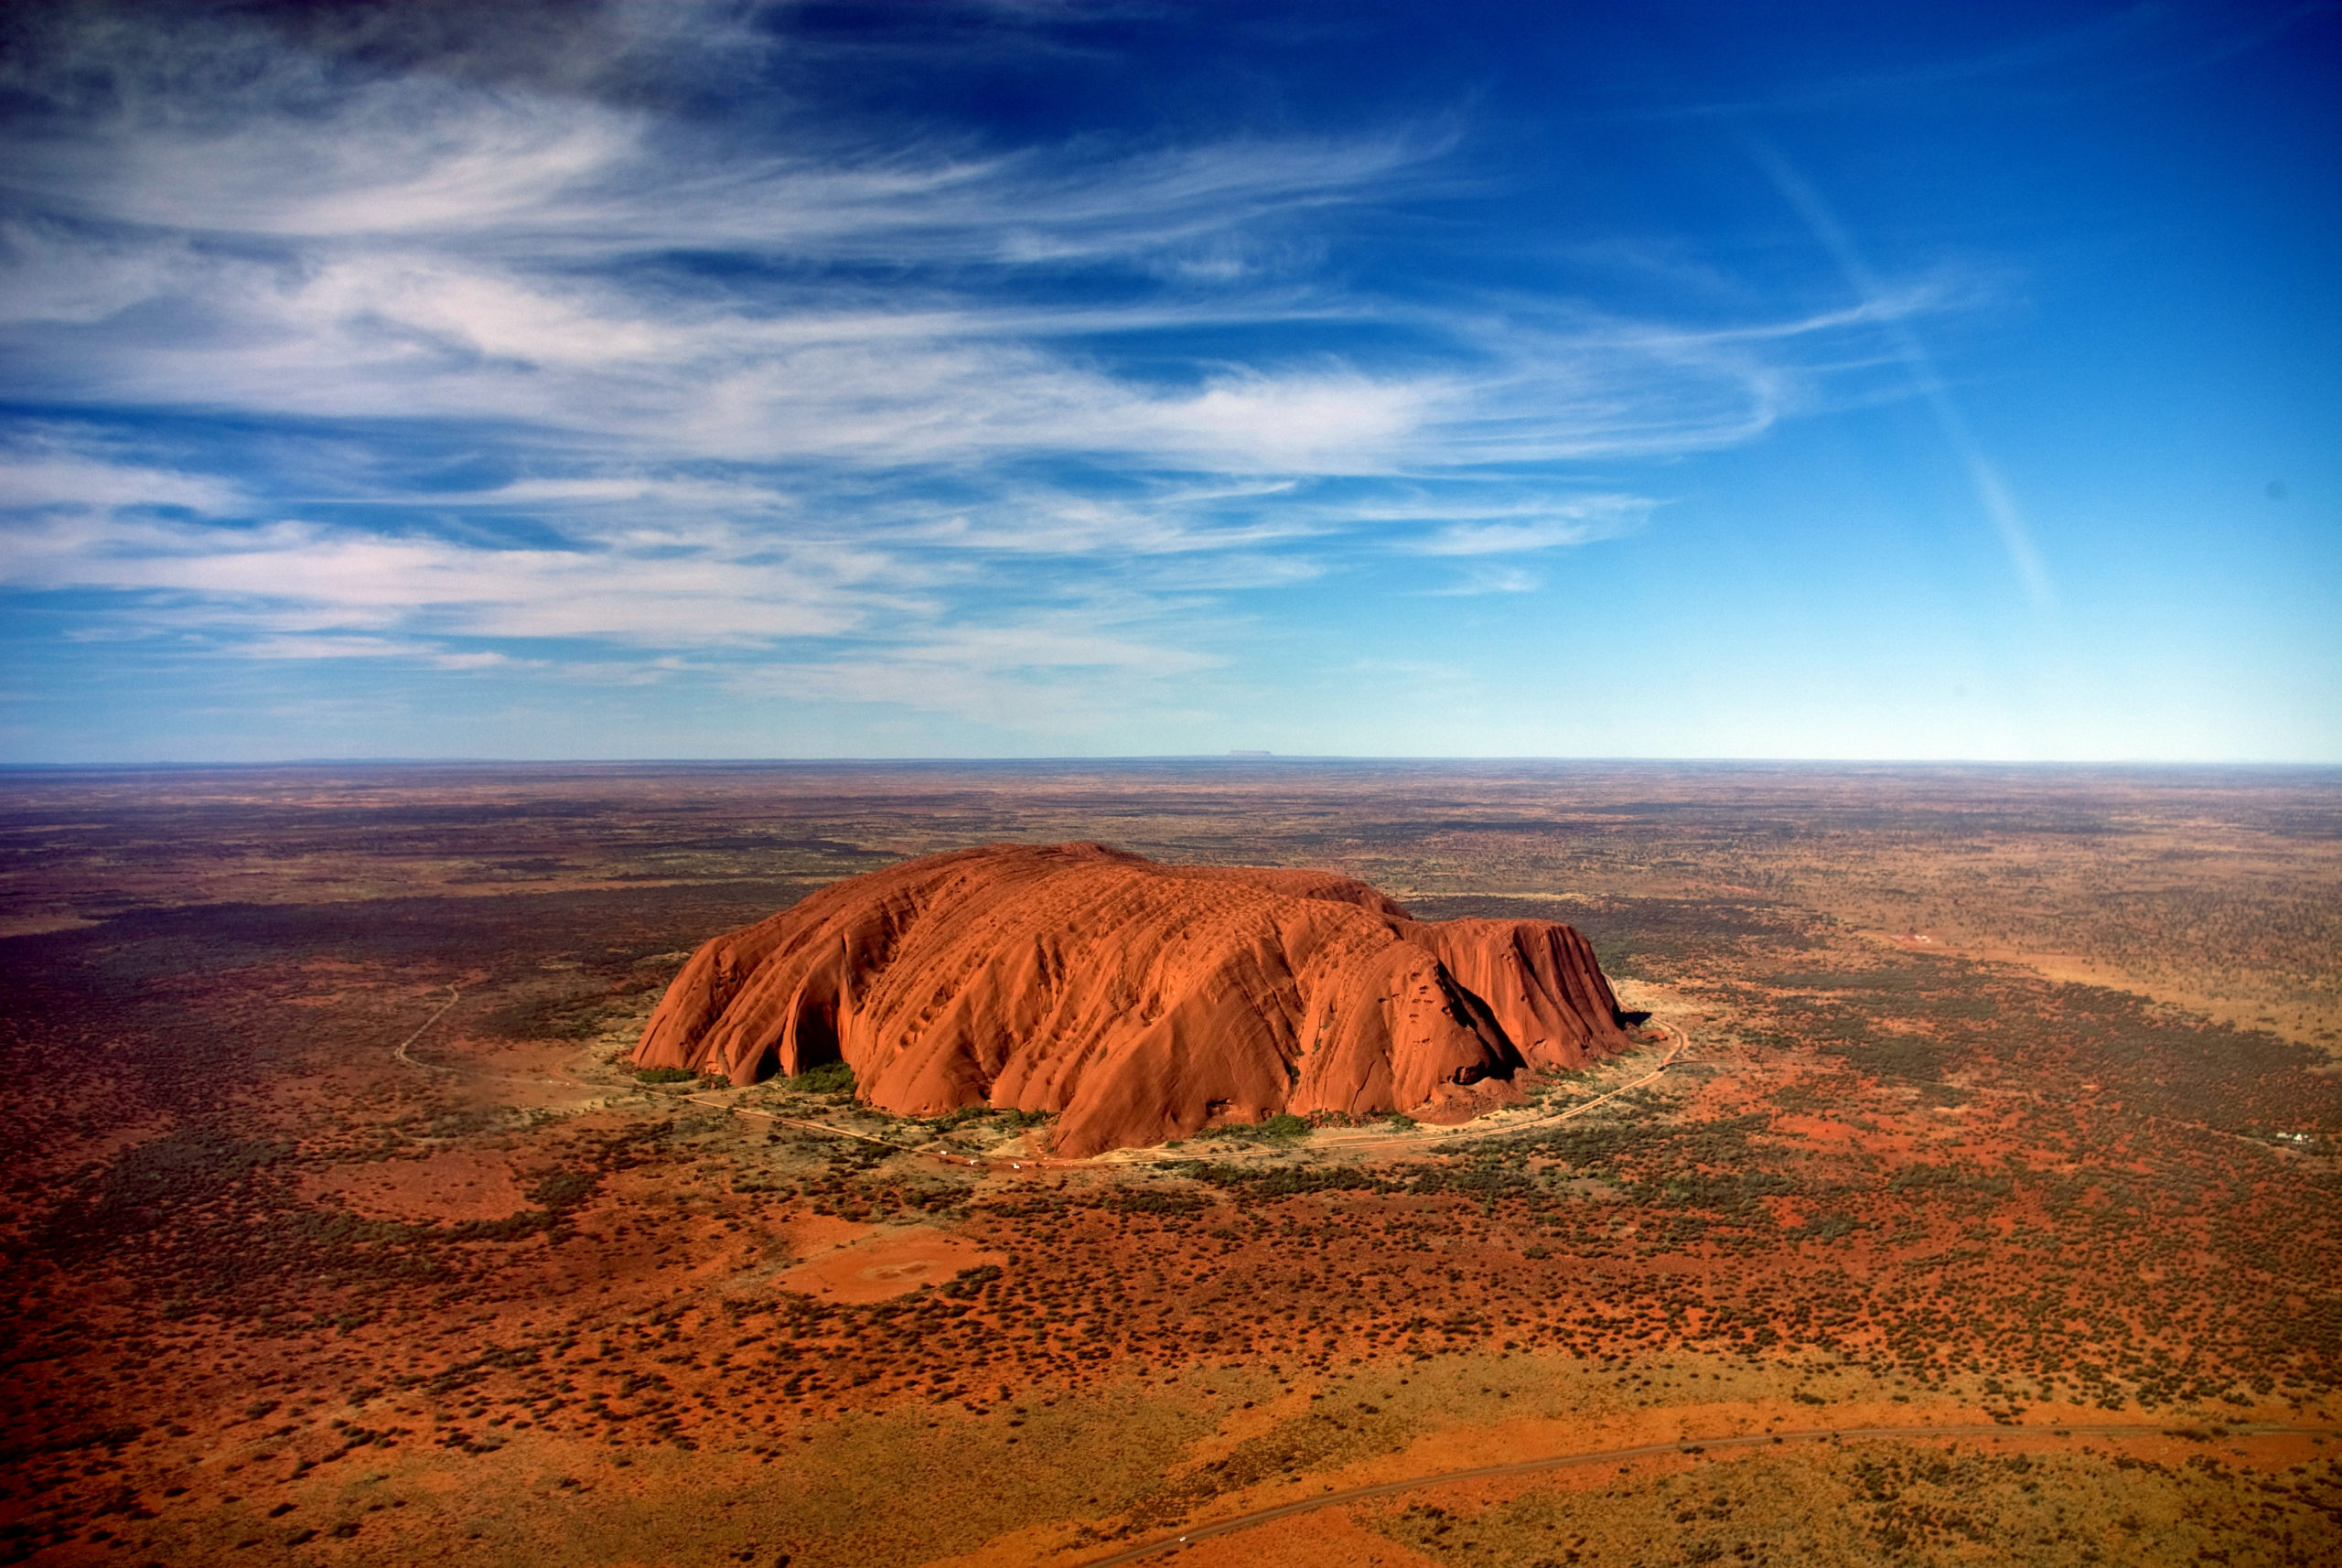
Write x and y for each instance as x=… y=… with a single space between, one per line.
x=952 y=1121
x=664 y=1075
x=564 y=1190
x=1282 y=1128
x=830 y=1077
x=970 y=1282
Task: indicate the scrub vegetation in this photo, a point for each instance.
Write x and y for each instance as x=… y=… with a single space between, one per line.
x=281 y=1295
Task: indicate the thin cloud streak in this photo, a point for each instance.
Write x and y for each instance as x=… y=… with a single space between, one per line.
x=1578 y=521
x=814 y=401
x=1985 y=481
x=342 y=581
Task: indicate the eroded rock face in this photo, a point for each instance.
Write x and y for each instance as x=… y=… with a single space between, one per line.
x=1141 y=1001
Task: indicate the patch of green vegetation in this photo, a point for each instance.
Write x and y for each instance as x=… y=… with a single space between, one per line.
x=1799 y=1098
x=1284 y=1181
x=1282 y=1128
x=511 y=1228
x=1729 y=1192
x=970 y=1282
x=553 y=1019
x=1921 y=1176
x=952 y=1121
x=830 y=1077
x=1489 y=1175
x=1825 y=1228
x=664 y=1075
x=1898 y=980
x=1909 y=1057
x=562 y=1191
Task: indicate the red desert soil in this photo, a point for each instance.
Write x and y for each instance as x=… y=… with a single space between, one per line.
x=453 y=1185
x=1141 y=1001
x=855 y=1263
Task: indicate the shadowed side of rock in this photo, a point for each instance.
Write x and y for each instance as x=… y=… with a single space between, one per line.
x=1138 y=1000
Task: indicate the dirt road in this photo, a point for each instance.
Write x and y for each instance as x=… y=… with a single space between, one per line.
x=1235 y=1522
x=453 y=996
x=1344 y=1141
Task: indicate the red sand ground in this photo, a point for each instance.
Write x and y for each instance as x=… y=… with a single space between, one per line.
x=858 y=1263
x=259 y=1316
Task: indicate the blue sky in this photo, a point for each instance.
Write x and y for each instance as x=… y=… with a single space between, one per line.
x=1041 y=378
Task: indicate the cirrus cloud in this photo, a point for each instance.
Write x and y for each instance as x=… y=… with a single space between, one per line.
x=493 y=368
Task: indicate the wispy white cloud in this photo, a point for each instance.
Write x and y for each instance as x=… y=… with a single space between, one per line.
x=1052 y=675
x=901 y=415
x=1488 y=580
x=1524 y=528
x=52 y=474
x=332 y=647
x=1992 y=493
x=296 y=575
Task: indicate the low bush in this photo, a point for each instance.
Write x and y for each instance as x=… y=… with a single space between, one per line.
x=830 y=1077
x=1282 y=1128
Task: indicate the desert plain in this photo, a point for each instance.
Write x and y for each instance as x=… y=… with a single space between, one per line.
x=1967 y=1191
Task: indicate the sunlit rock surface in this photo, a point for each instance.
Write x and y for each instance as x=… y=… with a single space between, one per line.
x=1141 y=1001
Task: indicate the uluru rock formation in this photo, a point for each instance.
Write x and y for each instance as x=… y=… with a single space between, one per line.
x=1141 y=1001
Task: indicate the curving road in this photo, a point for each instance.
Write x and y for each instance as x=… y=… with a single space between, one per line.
x=453 y=996
x=1387 y=1144
x=1235 y=1522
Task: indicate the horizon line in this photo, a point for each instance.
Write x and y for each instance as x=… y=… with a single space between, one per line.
x=1229 y=758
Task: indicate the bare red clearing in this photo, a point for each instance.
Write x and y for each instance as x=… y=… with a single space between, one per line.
x=875 y=1263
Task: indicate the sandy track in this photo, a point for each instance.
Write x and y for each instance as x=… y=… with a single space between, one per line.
x=1338 y=1142
x=453 y=996
x=1644 y=1451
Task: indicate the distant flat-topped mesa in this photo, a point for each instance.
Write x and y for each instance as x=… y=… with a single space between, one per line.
x=1141 y=1001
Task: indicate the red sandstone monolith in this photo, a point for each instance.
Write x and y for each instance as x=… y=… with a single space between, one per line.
x=1138 y=1000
